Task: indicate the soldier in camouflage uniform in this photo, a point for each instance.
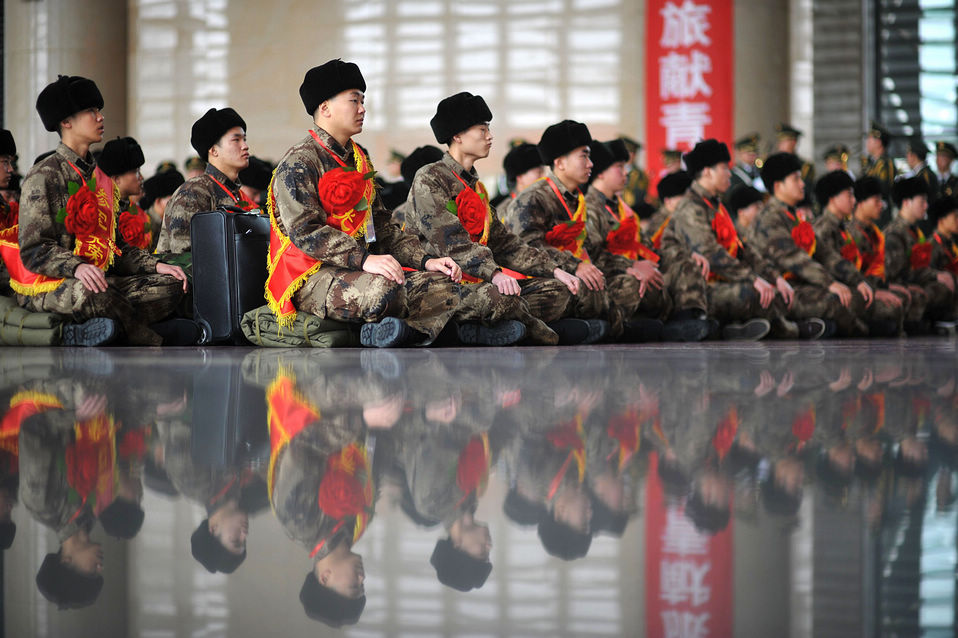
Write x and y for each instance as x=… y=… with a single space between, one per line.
x=945 y=154
x=876 y=163
x=615 y=243
x=944 y=255
x=739 y=278
x=157 y=191
x=523 y=166
x=835 y=249
x=8 y=152
x=786 y=239
x=551 y=215
x=414 y=161
x=220 y=139
x=137 y=289
x=671 y=248
x=475 y=238
x=908 y=254
x=347 y=265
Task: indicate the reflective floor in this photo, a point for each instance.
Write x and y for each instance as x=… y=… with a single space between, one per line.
x=721 y=490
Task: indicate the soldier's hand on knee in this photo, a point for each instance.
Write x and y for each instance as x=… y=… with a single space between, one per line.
x=843 y=293
x=446 y=266
x=174 y=271
x=91 y=277
x=866 y=293
x=571 y=281
x=888 y=298
x=703 y=263
x=944 y=278
x=766 y=292
x=646 y=272
x=902 y=290
x=590 y=275
x=785 y=289
x=506 y=284
x=386 y=266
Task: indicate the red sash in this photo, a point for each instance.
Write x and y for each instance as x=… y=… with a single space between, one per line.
x=951 y=251
x=802 y=233
x=91 y=463
x=23 y=405
x=288 y=413
x=850 y=250
x=243 y=201
x=346 y=491
x=920 y=256
x=569 y=236
x=135 y=227
x=725 y=233
x=873 y=263
x=657 y=237
x=625 y=238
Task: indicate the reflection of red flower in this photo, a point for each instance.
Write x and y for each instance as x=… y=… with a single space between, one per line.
x=920 y=255
x=82 y=470
x=133 y=445
x=565 y=236
x=725 y=433
x=803 y=427
x=471 y=211
x=725 y=233
x=565 y=436
x=624 y=428
x=340 y=494
x=12 y=217
x=622 y=240
x=133 y=229
x=473 y=465
x=340 y=190
x=804 y=236
x=82 y=212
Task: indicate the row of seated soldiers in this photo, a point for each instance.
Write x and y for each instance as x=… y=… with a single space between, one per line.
x=562 y=261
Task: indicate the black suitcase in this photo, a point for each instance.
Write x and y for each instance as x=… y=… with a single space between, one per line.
x=229 y=270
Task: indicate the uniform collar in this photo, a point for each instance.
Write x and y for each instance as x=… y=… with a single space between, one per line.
x=85 y=165
x=332 y=144
x=218 y=175
x=699 y=190
x=470 y=176
x=565 y=192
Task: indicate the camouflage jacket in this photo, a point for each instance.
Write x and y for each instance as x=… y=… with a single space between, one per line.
x=692 y=223
x=900 y=238
x=502 y=210
x=601 y=218
x=828 y=249
x=866 y=239
x=400 y=213
x=672 y=248
x=773 y=238
x=536 y=210
x=301 y=217
x=46 y=247
x=197 y=195
x=944 y=252
x=442 y=233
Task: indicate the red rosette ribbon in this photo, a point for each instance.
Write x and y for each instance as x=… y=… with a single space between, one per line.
x=804 y=236
x=133 y=229
x=565 y=236
x=82 y=213
x=340 y=190
x=920 y=255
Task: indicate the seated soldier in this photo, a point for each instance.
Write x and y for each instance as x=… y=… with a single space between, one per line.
x=334 y=251
x=220 y=139
x=8 y=212
x=615 y=243
x=908 y=257
x=744 y=205
x=255 y=180
x=786 y=238
x=73 y=261
x=837 y=252
x=121 y=160
x=523 y=166
x=944 y=254
x=410 y=165
x=157 y=191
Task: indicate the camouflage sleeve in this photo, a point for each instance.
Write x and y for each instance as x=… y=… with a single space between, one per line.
x=672 y=248
x=761 y=266
x=773 y=235
x=443 y=231
x=513 y=253
x=828 y=242
x=391 y=240
x=40 y=234
x=188 y=200
x=694 y=228
x=896 y=258
x=597 y=230
x=133 y=261
x=528 y=218
x=304 y=220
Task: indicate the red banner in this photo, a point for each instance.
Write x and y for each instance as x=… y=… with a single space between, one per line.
x=689 y=57
x=688 y=575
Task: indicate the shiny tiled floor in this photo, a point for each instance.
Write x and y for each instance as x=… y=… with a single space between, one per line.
x=759 y=490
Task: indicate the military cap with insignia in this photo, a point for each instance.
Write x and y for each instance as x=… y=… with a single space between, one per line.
x=917 y=146
x=396 y=156
x=7 y=145
x=748 y=142
x=563 y=138
x=908 y=188
x=165 y=166
x=632 y=145
x=214 y=124
x=194 y=164
x=787 y=131
x=946 y=148
x=670 y=155
x=706 y=153
x=832 y=184
x=674 y=184
x=520 y=159
x=779 y=166
x=878 y=131
x=457 y=113
x=65 y=97
x=417 y=159
x=837 y=152
x=329 y=80
x=121 y=155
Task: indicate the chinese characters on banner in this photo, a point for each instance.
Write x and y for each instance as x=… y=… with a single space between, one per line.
x=688 y=575
x=689 y=76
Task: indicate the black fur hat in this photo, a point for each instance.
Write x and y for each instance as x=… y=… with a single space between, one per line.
x=601 y=156
x=121 y=155
x=7 y=145
x=68 y=95
x=457 y=113
x=705 y=154
x=907 y=188
x=674 y=184
x=866 y=187
x=208 y=130
x=520 y=159
x=561 y=540
x=327 y=606
x=257 y=175
x=457 y=569
x=417 y=159
x=942 y=207
x=562 y=138
x=122 y=519
x=211 y=554
x=832 y=184
x=779 y=166
x=328 y=80
x=65 y=587
x=740 y=196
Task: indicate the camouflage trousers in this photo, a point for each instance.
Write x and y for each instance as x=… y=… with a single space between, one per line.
x=541 y=300
x=686 y=285
x=134 y=301
x=619 y=302
x=739 y=301
x=815 y=301
x=941 y=302
x=426 y=301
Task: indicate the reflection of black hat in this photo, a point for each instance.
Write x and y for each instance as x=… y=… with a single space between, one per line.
x=907 y=188
x=705 y=154
x=122 y=519
x=457 y=113
x=708 y=519
x=601 y=158
x=866 y=187
x=8 y=531
x=121 y=155
x=327 y=606
x=917 y=146
x=457 y=569
x=832 y=184
x=211 y=554
x=778 y=501
x=605 y=519
x=674 y=184
x=942 y=207
x=779 y=166
x=65 y=587
x=68 y=95
x=208 y=130
x=834 y=480
x=561 y=540
x=7 y=145
x=521 y=510
x=257 y=174
x=417 y=159
x=742 y=195
x=562 y=138
x=329 y=80
x=520 y=159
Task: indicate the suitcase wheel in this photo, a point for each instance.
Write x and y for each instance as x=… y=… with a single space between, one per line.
x=206 y=333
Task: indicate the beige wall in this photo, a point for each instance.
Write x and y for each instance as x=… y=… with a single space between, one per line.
x=535 y=62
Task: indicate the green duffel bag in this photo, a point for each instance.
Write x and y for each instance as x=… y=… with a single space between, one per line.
x=19 y=327
x=308 y=331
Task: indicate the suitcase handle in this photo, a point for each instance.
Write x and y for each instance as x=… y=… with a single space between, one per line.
x=236 y=210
